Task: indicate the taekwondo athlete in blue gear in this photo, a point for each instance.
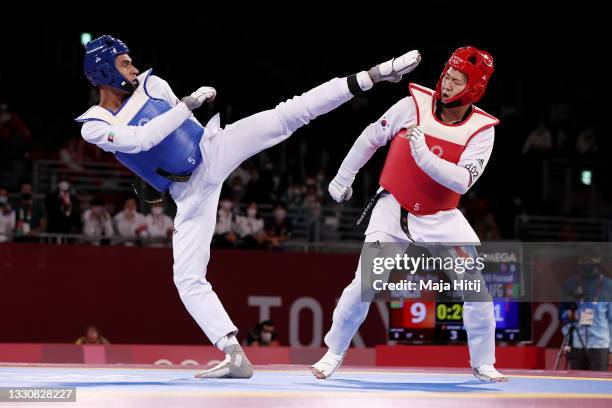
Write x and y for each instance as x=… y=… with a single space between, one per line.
x=153 y=133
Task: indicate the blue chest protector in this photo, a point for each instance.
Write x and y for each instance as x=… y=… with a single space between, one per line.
x=173 y=159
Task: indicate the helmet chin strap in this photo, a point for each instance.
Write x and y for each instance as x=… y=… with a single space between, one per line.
x=129 y=86
x=452 y=104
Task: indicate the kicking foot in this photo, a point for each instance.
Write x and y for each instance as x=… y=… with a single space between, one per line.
x=235 y=365
x=326 y=366
x=489 y=373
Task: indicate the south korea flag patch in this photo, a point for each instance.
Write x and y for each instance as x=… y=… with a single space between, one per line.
x=384 y=124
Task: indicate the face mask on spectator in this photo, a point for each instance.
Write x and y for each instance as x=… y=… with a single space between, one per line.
x=26 y=197
x=226 y=205
x=266 y=336
x=64 y=186
x=3 y=200
x=280 y=214
x=157 y=210
x=251 y=212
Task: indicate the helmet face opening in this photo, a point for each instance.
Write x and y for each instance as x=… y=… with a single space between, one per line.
x=99 y=64
x=477 y=65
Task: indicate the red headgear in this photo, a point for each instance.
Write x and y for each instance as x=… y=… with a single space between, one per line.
x=477 y=65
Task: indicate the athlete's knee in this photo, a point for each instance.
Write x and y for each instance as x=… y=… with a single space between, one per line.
x=189 y=284
x=479 y=314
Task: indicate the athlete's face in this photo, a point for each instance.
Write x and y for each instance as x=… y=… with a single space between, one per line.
x=124 y=65
x=453 y=83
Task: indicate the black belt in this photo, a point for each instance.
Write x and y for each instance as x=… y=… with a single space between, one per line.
x=170 y=176
x=174 y=177
x=369 y=206
x=404 y=222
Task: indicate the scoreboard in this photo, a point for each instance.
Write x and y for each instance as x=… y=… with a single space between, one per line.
x=432 y=318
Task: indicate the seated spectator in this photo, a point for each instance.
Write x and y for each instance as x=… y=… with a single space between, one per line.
x=72 y=153
x=92 y=336
x=15 y=137
x=237 y=189
x=279 y=227
x=30 y=217
x=226 y=229
x=258 y=189
x=63 y=210
x=97 y=220
x=294 y=196
x=159 y=225
x=312 y=209
x=7 y=217
x=586 y=142
x=251 y=228
x=129 y=222
x=263 y=335
x=539 y=140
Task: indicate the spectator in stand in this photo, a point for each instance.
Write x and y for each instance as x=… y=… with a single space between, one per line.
x=279 y=227
x=586 y=142
x=237 y=189
x=97 y=220
x=226 y=230
x=63 y=210
x=159 y=225
x=251 y=228
x=129 y=222
x=257 y=189
x=294 y=196
x=15 y=137
x=263 y=335
x=30 y=217
x=92 y=336
x=73 y=153
x=539 y=140
x=312 y=211
x=479 y=213
x=7 y=217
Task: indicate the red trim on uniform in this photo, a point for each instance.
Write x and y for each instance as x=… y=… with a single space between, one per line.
x=487 y=115
x=410 y=88
x=485 y=127
x=421 y=88
x=433 y=107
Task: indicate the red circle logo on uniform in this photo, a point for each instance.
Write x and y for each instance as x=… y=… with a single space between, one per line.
x=437 y=150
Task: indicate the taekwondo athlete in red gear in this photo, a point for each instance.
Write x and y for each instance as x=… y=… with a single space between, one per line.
x=440 y=145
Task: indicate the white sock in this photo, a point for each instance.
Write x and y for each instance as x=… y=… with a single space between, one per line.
x=225 y=341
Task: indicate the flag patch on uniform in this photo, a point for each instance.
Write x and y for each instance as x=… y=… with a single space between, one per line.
x=111 y=137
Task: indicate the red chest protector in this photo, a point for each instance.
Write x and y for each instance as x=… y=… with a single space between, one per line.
x=401 y=176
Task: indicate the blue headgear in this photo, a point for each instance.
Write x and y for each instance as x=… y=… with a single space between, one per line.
x=99 y=64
